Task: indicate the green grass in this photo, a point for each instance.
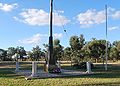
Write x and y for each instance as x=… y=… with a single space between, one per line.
x=100 y=78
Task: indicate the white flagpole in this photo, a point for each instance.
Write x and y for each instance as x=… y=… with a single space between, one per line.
x=106 y=68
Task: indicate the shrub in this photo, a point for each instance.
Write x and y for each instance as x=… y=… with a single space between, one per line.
x=82 y=65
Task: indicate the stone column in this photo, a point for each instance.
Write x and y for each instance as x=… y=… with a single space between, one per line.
x=17 y=66
x=58 y=64
x=88 y=67
x=34 y=69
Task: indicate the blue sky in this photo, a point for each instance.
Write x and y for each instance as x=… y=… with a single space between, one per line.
x=26 y=22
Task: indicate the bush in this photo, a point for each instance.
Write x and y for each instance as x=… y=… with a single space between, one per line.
x=82 y=65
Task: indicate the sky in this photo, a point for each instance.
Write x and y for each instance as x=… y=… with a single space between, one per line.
x=26 y=22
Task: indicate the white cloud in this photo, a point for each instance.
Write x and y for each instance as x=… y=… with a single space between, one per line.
x=113 y=28
x=8 y=7
x=110 y=10
x=17 y=19
x=116 y=15
x=56 y=35
x=35 y=39
x=113 y=13
x=40 y=17
x=91 y=17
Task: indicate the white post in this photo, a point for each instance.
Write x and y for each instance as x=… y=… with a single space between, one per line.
x=88 y=67
x=34 y=69
x=17 y=66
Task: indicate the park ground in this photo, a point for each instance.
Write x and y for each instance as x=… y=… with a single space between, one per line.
x=99 y=78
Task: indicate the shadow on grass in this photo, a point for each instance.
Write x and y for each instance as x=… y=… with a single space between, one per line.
x=103 y=84
x=8 y=73
x=11 y=76
x=6 y=69
x=98 y=75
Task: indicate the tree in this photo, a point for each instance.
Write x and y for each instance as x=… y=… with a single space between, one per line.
x=81 y=41
x=46 y=46
x=21 y=51
x=114 y=53
x=36 y=53
x=30 y=55
x=115 y=43
x=10 y=52
x=3 y=55
x=97 y=49
x=57 y=49
x=77 y=44
x=75 y=47
x=67 y=53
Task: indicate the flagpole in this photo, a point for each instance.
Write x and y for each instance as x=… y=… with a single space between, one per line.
x=106 y=68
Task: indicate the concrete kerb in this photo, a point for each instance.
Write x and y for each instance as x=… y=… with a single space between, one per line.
x=65 y=73
x=40 y=74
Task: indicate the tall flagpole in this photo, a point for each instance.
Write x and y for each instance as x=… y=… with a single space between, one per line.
x=106 y=39
x=50 y=56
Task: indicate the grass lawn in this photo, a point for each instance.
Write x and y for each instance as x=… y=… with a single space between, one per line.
x=100 y=78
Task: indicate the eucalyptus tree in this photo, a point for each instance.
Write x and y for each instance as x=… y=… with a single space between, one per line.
x=10 y=52
x=115 y=51
x=118 y=48
x=115 y=43
x=36 y=53
x=97 y=49
x=82 y=41
x=74 y=43
x=86 y=51
x=67 y=54
x=45 y=51
x=77 y=44
x=114 y=54
x=57 y=50
x=3 y=55
x=30 y=55
x=21 y=51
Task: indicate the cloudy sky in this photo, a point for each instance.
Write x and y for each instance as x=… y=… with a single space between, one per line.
x=26 y=22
